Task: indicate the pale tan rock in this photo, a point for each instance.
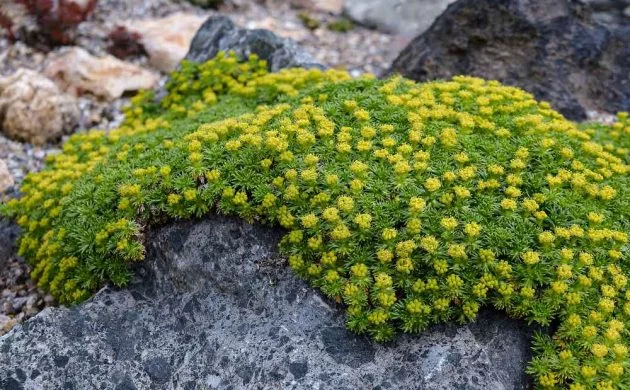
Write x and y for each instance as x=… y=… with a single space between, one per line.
x=166 y=40
x=6 y=179
x=6 y=324
x=334 y=7
x=34 y=109
x=78 y=72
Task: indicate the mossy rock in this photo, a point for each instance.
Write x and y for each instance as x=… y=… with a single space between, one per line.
x=413 y=204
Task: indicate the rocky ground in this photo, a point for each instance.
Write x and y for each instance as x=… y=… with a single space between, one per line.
x=359 y=50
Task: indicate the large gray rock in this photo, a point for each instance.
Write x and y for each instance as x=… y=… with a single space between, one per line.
x=409 y=17
x=219 y=33
x=214 y=307
x=551 y=48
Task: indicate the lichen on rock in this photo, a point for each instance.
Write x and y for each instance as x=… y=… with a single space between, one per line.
x=412 y=204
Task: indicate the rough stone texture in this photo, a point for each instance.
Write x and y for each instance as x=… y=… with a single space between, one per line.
x=409 y=17
x=6 y=179
x=553 y=49
x=33 y=109
x=610 y=11
x=9 y=232
x=219 y=33
x=166 y=40
x=79 y=72
x=213 y=307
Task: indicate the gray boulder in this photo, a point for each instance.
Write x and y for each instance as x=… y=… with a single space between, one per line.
x=551 y=48
x=408 y=17
x=214 y=307
x=219 y=33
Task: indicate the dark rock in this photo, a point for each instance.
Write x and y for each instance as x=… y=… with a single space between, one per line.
x=9 y=232
x=219 y=33
x=208 y=309
x=551 y=48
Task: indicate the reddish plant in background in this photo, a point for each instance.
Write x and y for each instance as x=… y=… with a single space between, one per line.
x=6 y=24
x=56 y=19
x=124 y=43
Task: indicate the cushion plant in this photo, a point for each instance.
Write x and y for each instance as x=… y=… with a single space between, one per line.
x=411 y=203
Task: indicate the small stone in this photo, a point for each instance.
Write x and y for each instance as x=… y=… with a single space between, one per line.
x=6 y=179
x=6 y=323
x=18 y=304
x=7 y=307
x=166 y=40
x=31 y=302
x=33 y=109
x=78 y=72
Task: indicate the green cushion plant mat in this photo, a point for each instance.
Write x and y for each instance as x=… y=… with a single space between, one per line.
x=412 y=204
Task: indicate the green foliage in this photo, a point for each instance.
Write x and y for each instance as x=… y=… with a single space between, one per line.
x=308 y=21
x=340 y=25
x=413 y=204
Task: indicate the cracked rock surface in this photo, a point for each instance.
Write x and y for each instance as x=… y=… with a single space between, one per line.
x=214 y=307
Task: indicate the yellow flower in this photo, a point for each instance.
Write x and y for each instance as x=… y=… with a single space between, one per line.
x=599 y=350
x=309 y=220
x=384 y=255
x=472 y=229
x=547 y=380
x=340 y=232
x=530 y=257
x=457 y=251
x=389 y=234
x=432 y=184
x=429 y=244
x=190 y=194
x=363 y=220
x=417 y=205
x=508 y=204
x=461 y=192
x=331 y=214
x=449 y=223
x=595 y=218
x=546 y=238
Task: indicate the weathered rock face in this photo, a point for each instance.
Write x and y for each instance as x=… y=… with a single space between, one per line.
x=166 y=40
x=79 y=72
x=214 y=307
x=408 y=17
x=33 y=109
x=553 y=49
x=219 y=33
